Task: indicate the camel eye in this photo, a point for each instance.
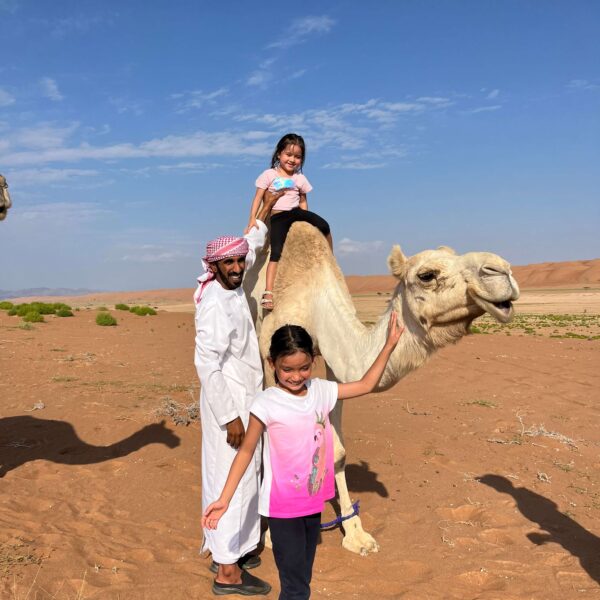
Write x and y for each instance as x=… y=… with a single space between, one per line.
x=427 y=276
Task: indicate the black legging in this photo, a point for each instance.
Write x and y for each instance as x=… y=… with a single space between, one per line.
x=281 y=223
x=294 y=546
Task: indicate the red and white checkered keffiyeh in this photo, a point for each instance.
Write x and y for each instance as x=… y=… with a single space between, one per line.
x=223 y=247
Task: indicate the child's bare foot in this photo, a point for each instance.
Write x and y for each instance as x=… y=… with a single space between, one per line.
x=267 y=300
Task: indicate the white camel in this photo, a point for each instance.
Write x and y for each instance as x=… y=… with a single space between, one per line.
x=438 y=295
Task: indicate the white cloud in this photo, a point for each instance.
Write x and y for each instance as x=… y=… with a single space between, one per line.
x=124 y=105
x=197 y=99
x=346 y=246
x=198 y=144
x=61 y=212
x=582 y=85
x=50 y=89
x=301 y=29
x=26 y=177
x=259 y=78
x=45 y=135
x=481 y=109
x=493 y=94
x=355 y=165
x=76 y=24
x=6 y=99
x=155 y=257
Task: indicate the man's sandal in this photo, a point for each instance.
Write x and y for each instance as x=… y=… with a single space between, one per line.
x=267 y=300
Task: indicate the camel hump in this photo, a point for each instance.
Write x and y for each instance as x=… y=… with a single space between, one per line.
x=305 y=246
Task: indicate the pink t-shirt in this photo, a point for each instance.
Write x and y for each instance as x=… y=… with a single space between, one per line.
x=298 y=449
x=291 y=199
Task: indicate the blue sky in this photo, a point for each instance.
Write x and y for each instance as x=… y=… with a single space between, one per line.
x=132 y=132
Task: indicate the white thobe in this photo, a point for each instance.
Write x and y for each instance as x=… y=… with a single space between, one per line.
x=230 y=369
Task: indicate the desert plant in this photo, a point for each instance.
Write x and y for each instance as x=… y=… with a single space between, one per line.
x=33 y=316
x=122 y=306
x=6 y=305
x=12 y=312
x=105 y=319
x=142 y=311
x=64 y=312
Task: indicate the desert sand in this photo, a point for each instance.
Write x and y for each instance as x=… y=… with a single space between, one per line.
x=478 y=474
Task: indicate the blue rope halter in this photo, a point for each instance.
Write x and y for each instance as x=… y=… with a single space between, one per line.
x=340 y=519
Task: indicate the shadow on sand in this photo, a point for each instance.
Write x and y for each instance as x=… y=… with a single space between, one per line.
x=25 y=438
x=559 y=528
x=361 y=479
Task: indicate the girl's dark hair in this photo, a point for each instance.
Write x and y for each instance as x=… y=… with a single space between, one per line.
x=290 y=339
x=289 y=139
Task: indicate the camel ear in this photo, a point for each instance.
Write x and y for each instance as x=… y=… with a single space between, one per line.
x=447 y=249
x=396 y=261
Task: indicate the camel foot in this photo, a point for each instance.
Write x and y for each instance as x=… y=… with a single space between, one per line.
x=357 y=540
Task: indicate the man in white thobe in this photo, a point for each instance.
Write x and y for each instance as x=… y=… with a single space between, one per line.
x=228 y=362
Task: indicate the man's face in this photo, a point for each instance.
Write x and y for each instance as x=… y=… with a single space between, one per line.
x=229 y=272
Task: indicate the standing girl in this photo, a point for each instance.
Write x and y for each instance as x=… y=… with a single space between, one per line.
x=285 y=175
x=298 y=451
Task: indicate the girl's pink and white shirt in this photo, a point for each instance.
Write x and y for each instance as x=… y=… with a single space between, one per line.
x=298 y=449
x=291 y=199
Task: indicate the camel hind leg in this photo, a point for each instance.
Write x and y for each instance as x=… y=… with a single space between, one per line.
x=356 y=539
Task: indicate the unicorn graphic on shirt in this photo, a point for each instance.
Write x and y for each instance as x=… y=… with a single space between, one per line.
x=318 y=468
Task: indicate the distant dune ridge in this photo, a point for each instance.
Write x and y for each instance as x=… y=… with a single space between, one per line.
x=578 y=273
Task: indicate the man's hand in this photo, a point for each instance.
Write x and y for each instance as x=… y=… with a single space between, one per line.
x=268 y=202
x=235 y=433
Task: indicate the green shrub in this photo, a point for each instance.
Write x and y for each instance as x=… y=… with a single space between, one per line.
x=33 y=316
x=64 y=312
x=6 y=305
x=102 y=308
x=61 y=305
x=105 y=319
x=12 y=312
x=121 y=306
x=142 y=311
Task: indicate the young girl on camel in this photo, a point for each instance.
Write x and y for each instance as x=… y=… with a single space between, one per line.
x=286 y=175
x=298 y=451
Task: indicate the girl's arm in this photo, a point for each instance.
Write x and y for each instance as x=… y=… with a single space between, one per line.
x=258 y=196
x=373 y=375
x=217 y=509
x=303 y=202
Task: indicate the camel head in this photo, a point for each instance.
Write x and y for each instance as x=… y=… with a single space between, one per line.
x=442 y=292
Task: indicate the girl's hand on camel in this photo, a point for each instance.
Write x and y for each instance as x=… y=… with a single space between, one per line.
x=395 y=330
x=212 y=514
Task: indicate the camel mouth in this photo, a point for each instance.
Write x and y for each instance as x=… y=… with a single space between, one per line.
x=501 y=311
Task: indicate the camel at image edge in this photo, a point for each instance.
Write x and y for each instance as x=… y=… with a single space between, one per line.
x=438 y=295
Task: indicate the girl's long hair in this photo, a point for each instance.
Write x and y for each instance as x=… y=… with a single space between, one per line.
x=288 y=340
x=289 y=139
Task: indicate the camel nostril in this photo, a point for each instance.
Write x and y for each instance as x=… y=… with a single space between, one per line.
x=492 y=270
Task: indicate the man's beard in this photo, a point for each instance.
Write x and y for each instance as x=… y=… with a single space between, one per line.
x=225 y=280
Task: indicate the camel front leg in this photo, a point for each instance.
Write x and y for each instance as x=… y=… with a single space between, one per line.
x=356 y=539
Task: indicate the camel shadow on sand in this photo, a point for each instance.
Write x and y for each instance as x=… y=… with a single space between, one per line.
x=361 y=479
x=24 y=439
x=559 y=528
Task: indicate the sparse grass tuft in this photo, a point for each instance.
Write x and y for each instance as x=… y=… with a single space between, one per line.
x=64 y=312
x=181 y=415
x=105 y=319
x=142 y=311
x=16 y=554
x=122 y=306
